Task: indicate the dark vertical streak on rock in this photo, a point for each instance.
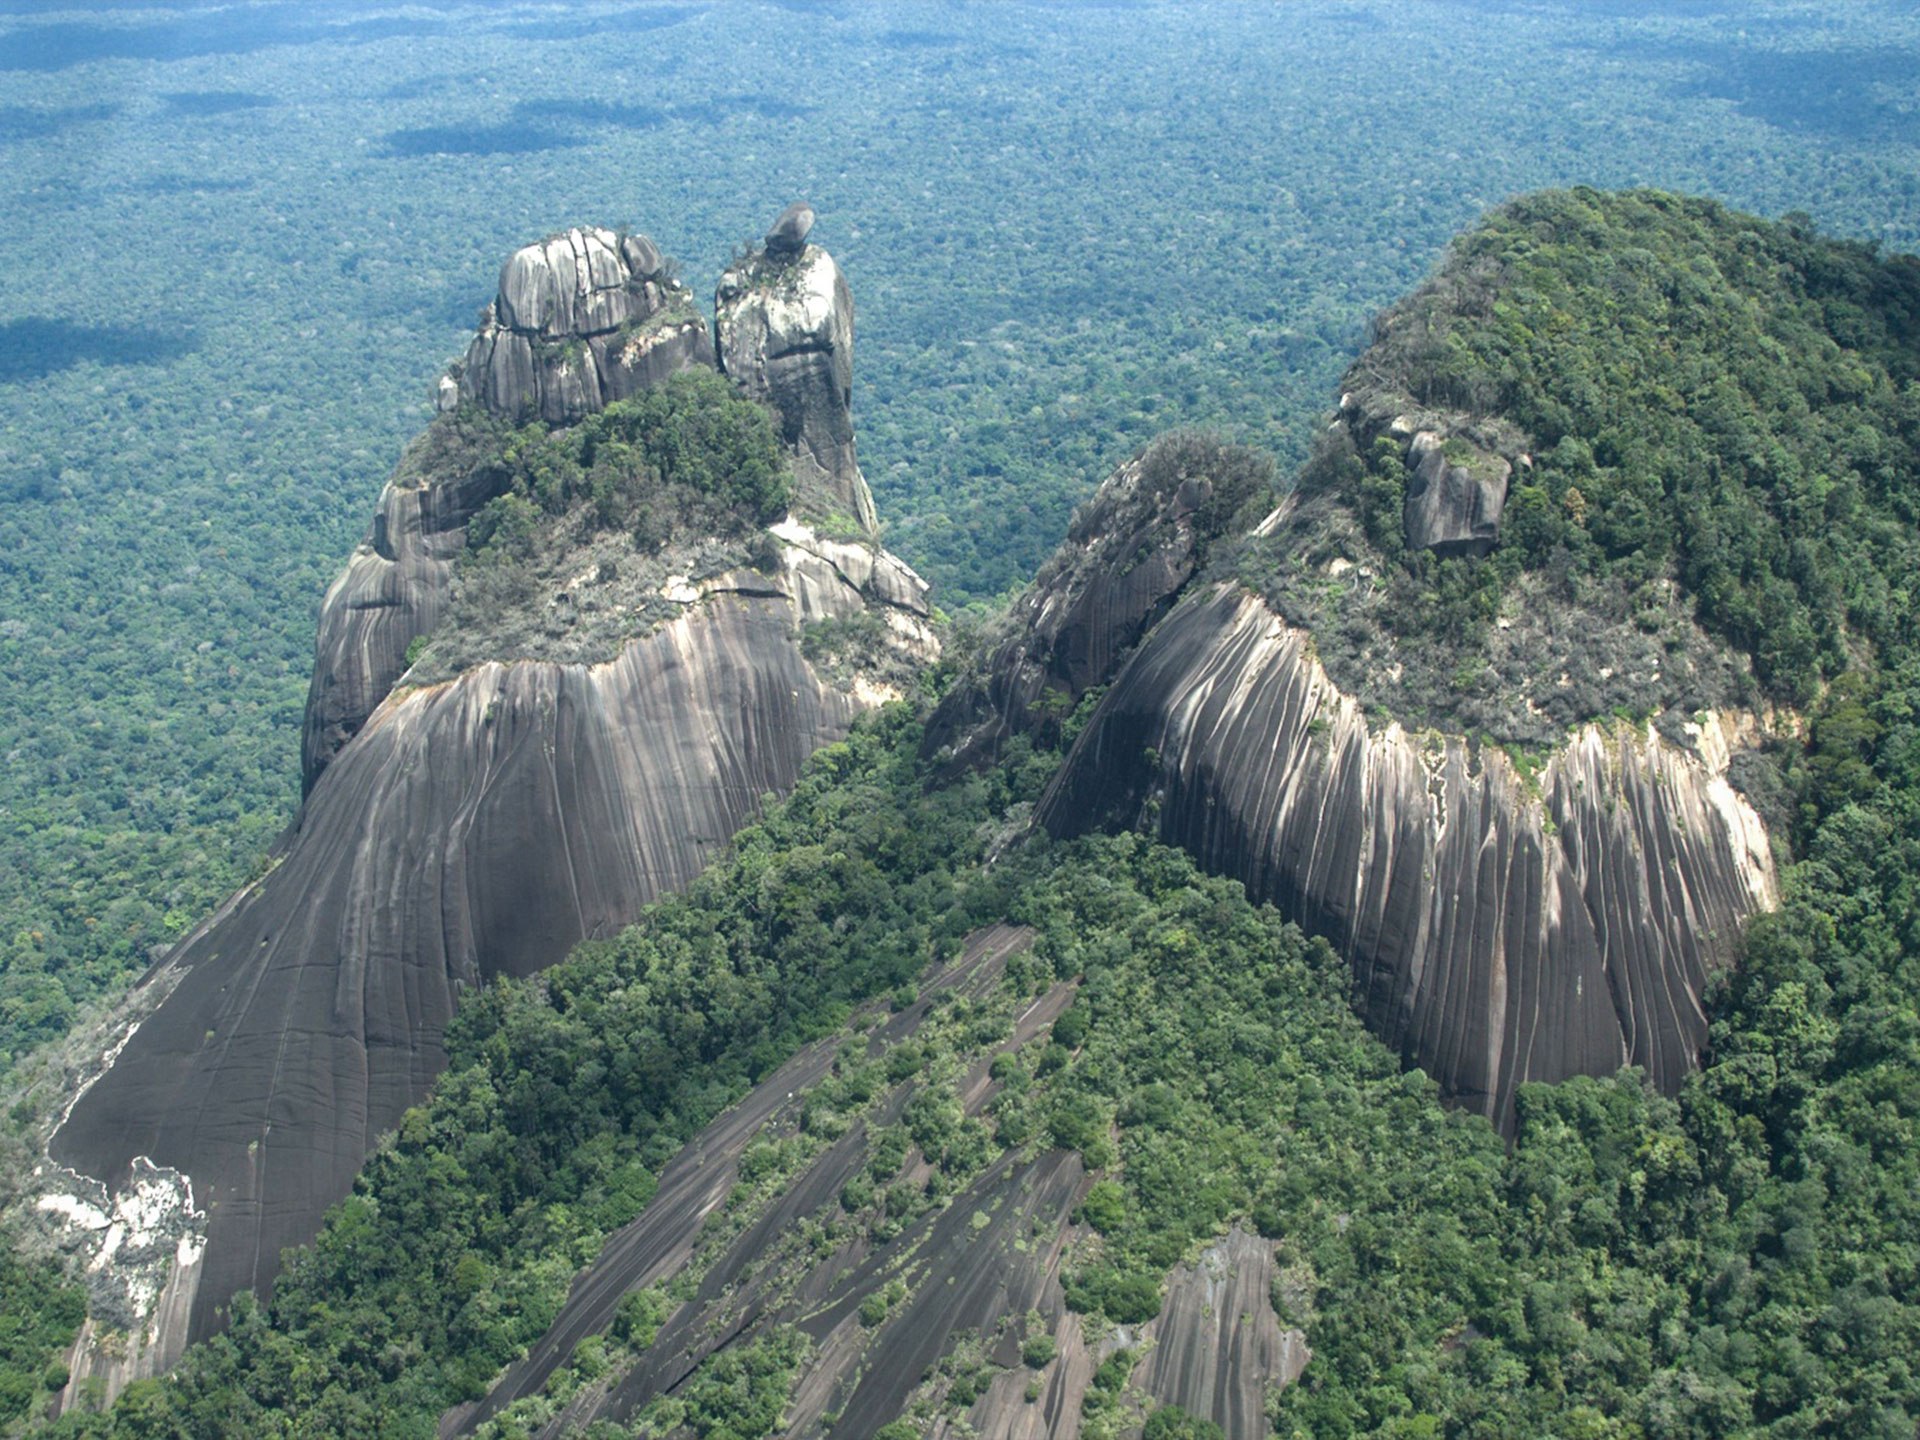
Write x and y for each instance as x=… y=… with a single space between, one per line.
x=1490 y=947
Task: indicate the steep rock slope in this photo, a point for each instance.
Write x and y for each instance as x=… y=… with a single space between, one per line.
x=1483 y=702
x=784 y=317
x=464 y=829
x=955 y=1312
x=580 y=320
x=1128 y=553
x=1501 y=928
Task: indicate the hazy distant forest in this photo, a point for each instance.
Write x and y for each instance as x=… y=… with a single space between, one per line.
x=241 y=242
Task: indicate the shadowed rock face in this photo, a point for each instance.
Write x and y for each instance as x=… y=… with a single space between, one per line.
x=1499 y=930
x=788 y=235
x=453 y=833
x=393 y=590
x=1127 y=554
x=581 y=320
x=784 y=322
x=1454 y=496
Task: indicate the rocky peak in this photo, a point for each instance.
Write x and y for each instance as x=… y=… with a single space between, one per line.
x=532 y=785
x=581 y=319
x=783 y=318
x=788 y=237
x=1459 y=466
x=1129 y=551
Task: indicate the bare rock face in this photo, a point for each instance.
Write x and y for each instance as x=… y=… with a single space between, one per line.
x=1501 y=929
x=1128 y=553
x=1455 y=493
x=1086 y=609
x=393 y=590
x=783 y=318
x=788 y=237
x=474 y=829
x=455 y=832
x=581 y=320
x=1217 y=1345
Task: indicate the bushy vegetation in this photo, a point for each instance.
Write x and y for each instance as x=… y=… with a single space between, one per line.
x=1733 y=1262
x=302 y=220
x=39 y=1314
x=678 y=480
x=563 y=1095
x=1700 y=397
x=692 y=453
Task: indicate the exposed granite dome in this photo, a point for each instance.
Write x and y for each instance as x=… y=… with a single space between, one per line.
x=581 y=320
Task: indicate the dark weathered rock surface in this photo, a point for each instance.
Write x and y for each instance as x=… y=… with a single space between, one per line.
x=458 y=831
x=473 y=829
x=1217 y=1346
x=1500 y=929
x=784 y=326
x=788 y=237
x=393 y=590
x=971 y=1268
x=1455 y=493
x=1128 y=553
x=581 y=320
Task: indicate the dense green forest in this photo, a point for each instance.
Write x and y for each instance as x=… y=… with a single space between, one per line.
x=1713 y=422
x=1724 y=416
x=1728 y=402
x=1063 y=239
x=1735 y=1262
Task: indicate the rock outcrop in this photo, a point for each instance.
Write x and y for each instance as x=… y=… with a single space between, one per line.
x=463 y=830
x=1128 y=553
x=581 y=320
x=894 y=1313
x=1455 y=493
x=1501 y=927
x=788 y=235
x=1218 y=1348
x=783 y=317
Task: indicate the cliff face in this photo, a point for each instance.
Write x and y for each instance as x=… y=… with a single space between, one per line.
x=458 y=831
x=580 y=320
x=1503 y=924
x=1500 y=928
x=1129 y=552
x=784 y=316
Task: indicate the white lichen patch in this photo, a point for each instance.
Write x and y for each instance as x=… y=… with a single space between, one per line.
x=129 y=1244
x=873 y=694
x=74 y=1211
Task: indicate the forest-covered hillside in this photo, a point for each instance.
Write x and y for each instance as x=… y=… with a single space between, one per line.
x=1736 y=1260
x=1712 y=423
x=243 y=241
